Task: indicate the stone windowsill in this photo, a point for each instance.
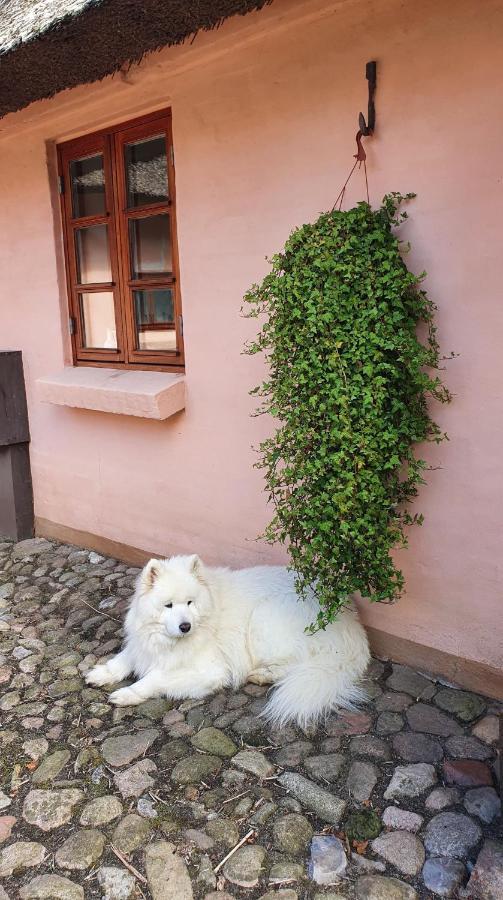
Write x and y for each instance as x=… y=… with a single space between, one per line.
x=150 y=395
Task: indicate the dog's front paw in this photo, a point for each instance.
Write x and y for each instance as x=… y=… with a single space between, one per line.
x=126 y=696
x=100 y=675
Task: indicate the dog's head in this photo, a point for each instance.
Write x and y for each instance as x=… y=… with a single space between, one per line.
x=172 y=594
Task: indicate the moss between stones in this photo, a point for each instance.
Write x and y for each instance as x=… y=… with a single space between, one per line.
x=363 y=825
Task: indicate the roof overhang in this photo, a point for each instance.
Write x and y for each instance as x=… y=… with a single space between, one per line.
x=47 y=46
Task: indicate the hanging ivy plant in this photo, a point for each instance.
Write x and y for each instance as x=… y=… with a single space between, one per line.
x=348 y=383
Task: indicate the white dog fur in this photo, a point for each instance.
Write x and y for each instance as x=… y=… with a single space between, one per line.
x=245 y=625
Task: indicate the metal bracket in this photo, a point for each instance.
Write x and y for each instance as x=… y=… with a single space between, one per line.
x=367 y=127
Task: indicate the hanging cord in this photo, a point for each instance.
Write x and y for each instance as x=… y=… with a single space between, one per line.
x=360 y=157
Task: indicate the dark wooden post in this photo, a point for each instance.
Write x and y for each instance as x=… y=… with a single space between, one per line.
x=16 y=495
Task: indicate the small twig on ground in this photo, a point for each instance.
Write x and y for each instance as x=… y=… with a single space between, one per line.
x=247 y=836
x=235 y=797
x=100 y=611
x=128 y=865
x=159 y=799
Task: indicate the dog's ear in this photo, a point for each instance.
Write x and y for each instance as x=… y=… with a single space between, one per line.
x=195 y=567
x=149 y=575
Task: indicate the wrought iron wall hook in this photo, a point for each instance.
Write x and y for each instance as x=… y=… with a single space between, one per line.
x=367 y=127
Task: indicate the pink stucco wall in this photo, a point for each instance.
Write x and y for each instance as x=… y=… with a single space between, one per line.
x=264 y=115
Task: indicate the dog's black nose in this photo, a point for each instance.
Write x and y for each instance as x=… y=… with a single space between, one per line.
x=185 y=627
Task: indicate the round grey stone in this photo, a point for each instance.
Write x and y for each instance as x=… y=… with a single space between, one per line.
x=50 y=809
x=50 y=767
x=201 y=840
x=195 y=768
x=254 y=762
x=294 y=754
x=63 y=686
x=131 y=833
x=442 y=797
x=101 y=811
x=154 y=709
x=451 y=834
x=410 y=781
x=146 y=808
x=245 y=866
x=328 y=860
x=283 y=872
x=467 y=747
x=410 y=682
x=367 y=745
x=424 y=718
x=223 y=831
x=36 y=747
x=134 y=781
x=484 y=803
x=389 y=723
x=465 y=705
x=325 y=767
x=51 y=887
x=361 y=780
x=486 y=880
x=443 y=876
x=487 y=729
x=393 y=702
x=123 y=749
x=415 y=747
x=81 y=850
x=401 y=819
x=292 y=833
x=115 y=883
x=320 y=801
x=248 y=726
x=378 y=887
x=402 y=849
x=167 y=874
x=214 y=741
x=20 y=856
x=173 y=751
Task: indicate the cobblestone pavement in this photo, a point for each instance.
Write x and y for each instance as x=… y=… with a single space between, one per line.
x=394 y=802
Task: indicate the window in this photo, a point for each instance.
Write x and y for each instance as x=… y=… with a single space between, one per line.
x=118 y=204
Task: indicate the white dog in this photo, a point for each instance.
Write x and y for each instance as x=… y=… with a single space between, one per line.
x=193 y=630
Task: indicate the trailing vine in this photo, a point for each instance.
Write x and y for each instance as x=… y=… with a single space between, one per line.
x=348 y=384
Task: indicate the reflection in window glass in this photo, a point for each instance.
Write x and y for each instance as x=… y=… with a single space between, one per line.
x=87 y=177
x=150 y=242
x=146 y=171
x=155 y=319
x=93 y=261
x=98 y=319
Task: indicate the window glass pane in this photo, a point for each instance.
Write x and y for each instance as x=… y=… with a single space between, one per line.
x=155 y=319
x=146 y=171
x=98 y=319
x=87 y=178
x=93 y=260
x=150 y=242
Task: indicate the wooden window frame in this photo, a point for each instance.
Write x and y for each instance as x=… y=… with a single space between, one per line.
x=111 y=143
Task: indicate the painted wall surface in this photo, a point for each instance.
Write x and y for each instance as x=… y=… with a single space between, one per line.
x=264 y=117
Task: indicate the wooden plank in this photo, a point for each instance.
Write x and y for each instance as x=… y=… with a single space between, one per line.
x=13 y=409
x=16 y=495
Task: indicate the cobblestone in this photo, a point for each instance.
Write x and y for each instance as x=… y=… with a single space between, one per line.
x=344 y=812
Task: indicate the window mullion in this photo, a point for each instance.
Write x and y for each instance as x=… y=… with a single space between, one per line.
x=114 y=239
x=122 y=246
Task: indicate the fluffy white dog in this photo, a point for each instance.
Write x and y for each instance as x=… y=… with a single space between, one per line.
x=192 y=630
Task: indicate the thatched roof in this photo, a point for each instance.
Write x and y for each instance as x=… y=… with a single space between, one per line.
x=49 y=45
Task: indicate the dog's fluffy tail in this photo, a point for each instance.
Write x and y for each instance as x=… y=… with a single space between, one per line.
x=311 y=689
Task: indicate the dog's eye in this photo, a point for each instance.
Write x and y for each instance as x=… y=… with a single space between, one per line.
x=168 y=605
x=189 y=602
